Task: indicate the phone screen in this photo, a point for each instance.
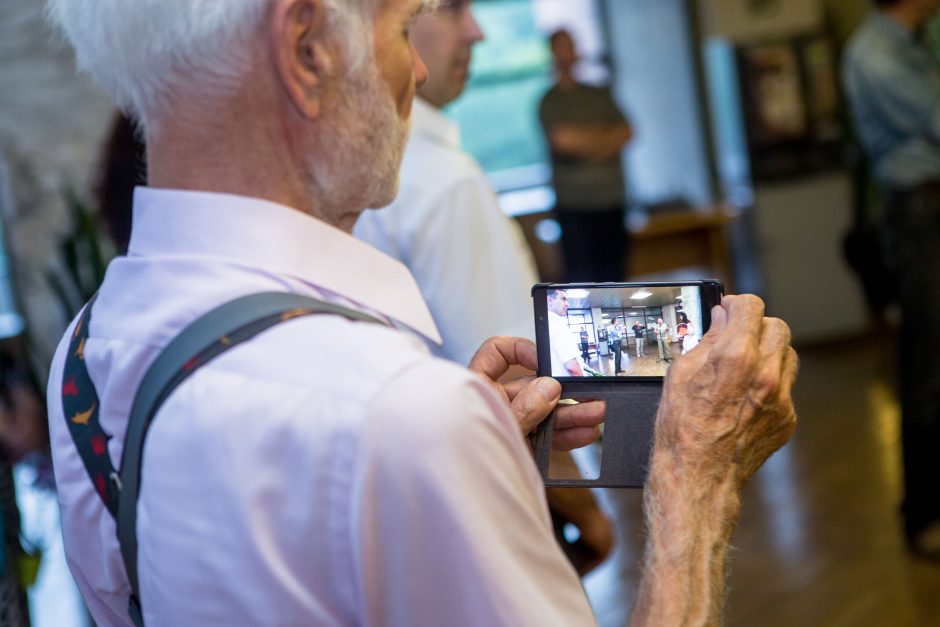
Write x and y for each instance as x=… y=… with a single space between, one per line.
x=620 y=330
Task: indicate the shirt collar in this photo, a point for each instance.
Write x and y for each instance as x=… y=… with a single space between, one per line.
x=430 y=122
x=271 y=237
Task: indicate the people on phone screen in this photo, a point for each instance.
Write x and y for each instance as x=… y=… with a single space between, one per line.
x=566 y=362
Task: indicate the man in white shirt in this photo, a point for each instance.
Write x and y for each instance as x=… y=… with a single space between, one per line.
x=307 y=476
x=564 y=346
x=470 y=260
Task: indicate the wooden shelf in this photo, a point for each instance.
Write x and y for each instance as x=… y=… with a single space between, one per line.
x=695 y=239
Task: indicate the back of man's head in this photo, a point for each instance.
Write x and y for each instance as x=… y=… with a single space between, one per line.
x=145 y=52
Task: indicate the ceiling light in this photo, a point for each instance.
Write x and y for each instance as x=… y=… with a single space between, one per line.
x=641 y=294
x=578 y=293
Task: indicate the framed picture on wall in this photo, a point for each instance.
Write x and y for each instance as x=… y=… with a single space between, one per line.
x=774 y=97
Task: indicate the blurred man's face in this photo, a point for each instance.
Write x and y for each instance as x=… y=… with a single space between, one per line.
x=559 y=303
x=563 y=52
x=400 y=65
x=444 y=40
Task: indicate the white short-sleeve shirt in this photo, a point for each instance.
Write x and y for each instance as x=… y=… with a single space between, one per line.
x=564 y=345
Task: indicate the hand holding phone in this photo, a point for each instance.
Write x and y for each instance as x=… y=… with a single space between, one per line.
x=635 y=331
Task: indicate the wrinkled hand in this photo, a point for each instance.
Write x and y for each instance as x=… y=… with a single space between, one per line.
x=727 y=404
x=532 y=399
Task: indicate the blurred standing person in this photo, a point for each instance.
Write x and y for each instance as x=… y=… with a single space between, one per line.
x=661 y=330
x=583 y=337
x=614 y=342
x=892 y=81
x=471 y=262
x=639 y=329
x=586 y=133
x=686 y=331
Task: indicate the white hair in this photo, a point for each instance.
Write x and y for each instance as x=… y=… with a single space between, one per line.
x=141 y=51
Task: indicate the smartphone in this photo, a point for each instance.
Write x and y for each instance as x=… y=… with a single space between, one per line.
x=619 y=331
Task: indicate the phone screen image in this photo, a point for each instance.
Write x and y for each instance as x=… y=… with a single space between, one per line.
x=619 y=330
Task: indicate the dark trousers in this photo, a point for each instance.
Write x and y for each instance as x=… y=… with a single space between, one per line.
x=594 y=244
x=618 y=355
x=913 y=251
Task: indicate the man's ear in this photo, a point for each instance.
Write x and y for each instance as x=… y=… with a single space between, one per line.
x=298 y=38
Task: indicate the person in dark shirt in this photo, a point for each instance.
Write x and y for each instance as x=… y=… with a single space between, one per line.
x=586 y=133
x=639 y=330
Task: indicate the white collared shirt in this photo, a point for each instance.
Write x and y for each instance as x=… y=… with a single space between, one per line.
x=563 y=345
x=327 y=472
x=471 y=261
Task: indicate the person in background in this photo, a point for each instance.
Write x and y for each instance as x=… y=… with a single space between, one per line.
x=586 y=133
x=584 y=340
x=638 y=331
x=615 y=339
x=471 y=261
x=22 y=433
x=892 y=81
x=661 y=331
x=686 y=332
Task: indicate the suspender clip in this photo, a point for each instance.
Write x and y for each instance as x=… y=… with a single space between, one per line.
x=116 y=482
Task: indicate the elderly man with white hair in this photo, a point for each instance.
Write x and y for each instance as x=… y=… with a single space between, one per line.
x=329 y=470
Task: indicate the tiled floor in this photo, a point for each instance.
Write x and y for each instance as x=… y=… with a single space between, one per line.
x=818 y=542
x=648 y=364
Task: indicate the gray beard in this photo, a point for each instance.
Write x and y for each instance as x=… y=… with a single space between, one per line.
x=359 y=150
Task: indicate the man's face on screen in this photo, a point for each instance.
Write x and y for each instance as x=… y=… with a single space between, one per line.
x=559 y=303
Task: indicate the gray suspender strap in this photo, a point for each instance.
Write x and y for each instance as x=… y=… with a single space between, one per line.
x=206 y=338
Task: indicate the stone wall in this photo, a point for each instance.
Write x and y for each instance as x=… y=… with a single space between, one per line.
x=52 y=122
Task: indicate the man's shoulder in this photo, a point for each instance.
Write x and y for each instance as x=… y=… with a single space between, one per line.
x=435 y=402
x=870 y=49
x=313 y=352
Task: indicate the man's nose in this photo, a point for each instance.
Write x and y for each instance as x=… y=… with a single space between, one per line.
x=472 y=32
x=419 y=68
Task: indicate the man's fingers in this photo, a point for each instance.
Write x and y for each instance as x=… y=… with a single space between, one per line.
x=517 y=385
x=499 y=353
x=590 y=414
x=533 y=403
x=790 y=369
x=774 y=350
x=745 y=313
x=719 y=320
x=576 y=437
